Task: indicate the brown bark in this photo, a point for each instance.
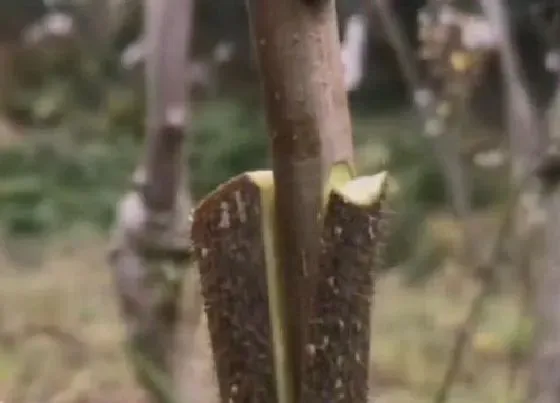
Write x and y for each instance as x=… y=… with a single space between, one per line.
x=336 y=363
x=230 y=248
x=298 y=53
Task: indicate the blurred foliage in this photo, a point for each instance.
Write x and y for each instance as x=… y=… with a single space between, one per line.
x=47 y=186
x=84 y=131
x=75 y=169
x=394 y=141
x=64 y=174
x=82 y=119
x=228 y=138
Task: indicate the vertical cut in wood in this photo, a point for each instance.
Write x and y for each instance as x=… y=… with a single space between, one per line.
x=338 y=346
x=297 y=50
x=233 y=236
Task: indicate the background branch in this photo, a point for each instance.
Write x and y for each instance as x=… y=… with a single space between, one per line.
x=151 y=245
x=429 y=104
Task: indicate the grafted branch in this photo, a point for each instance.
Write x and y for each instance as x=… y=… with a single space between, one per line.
x=257 y=237
x=298 y=53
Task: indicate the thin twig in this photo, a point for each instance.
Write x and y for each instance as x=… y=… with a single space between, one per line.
x=485 y=272
x=446 y=143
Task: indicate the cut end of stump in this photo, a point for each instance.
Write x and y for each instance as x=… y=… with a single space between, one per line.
x=365 y=190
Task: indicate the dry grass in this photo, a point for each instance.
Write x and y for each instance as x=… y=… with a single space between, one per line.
x=60 y=335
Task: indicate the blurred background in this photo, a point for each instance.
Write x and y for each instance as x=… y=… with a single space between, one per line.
x=71 y=132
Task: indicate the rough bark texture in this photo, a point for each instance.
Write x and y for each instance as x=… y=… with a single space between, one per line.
x=151 y=245
x=230 y=248
x=337 y=353
x=298 y=52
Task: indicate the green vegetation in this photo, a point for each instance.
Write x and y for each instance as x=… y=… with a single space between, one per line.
x=75 y=172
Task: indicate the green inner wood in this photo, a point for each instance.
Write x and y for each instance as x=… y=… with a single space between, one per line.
x=360 y=191
x=364 y=190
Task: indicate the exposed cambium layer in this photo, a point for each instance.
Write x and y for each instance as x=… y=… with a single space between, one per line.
x=364 y=190
x=245 y=295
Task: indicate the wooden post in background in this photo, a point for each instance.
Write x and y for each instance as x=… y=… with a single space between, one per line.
x=151 y=248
